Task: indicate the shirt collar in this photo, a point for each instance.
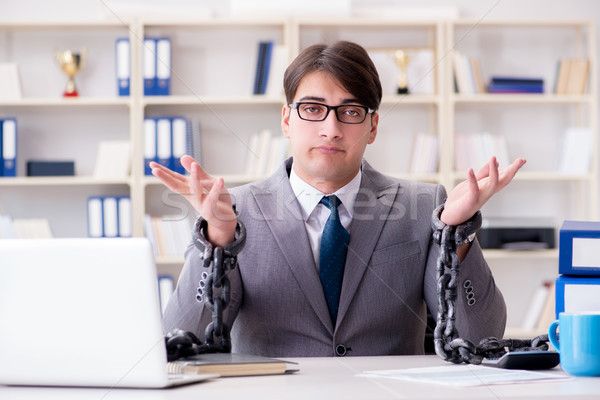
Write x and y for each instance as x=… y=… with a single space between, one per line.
x=309 y=197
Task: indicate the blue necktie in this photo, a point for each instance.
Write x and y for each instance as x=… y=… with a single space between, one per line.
x=332 y=257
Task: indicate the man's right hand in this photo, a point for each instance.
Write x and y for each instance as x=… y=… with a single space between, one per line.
x=206 y=194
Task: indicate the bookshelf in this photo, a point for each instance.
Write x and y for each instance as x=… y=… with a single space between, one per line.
x=213 y=65
x=540 y=189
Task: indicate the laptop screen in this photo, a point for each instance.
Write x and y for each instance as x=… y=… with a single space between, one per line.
x=80 y=312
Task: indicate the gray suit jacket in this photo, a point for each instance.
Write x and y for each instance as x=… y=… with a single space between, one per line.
x=277 y=300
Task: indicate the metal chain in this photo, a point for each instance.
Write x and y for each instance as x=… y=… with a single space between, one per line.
x=447 y=342
x=214 y=290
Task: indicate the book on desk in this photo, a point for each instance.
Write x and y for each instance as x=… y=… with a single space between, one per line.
x=230 y=364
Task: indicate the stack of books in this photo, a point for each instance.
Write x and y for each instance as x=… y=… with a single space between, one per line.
x=572 y=76
x=475 y=149
x=424 y=154
x=468 y=78
x=265 y=154
x=507 y=84
x=24 y=228
x=578 y=285
x=170 y=235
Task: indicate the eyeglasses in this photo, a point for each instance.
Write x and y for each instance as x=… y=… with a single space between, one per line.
x=346 y=114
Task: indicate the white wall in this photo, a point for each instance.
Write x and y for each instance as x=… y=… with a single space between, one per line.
x=95 y=9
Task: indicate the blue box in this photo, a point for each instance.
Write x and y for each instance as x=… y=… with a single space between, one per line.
x=577 y=293
x=50 y=168
x=579 y=244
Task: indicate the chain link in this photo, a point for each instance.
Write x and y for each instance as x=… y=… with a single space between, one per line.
x=214 y=291
x=447 y=343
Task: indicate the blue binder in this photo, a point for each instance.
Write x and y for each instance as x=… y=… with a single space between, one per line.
x=149 y=144
x=579 y=242
x=124 y=217
x=9 y=146
x=577 y=293
x=260 y=65
x=163 y=66
x=179 y=142
x=268 y=55
x=164 y=149
x=110 y=216
x=149 y=66
x=123 y=66
x=95 y=217
x=1 y=157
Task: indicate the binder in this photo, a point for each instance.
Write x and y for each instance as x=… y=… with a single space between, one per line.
x=266 y=66
x=163 y=141
x=163 y=66
x=179 y=139
x=1 y=151
x=260 y=63
x=579 y=242
x=123 y=66
x=95 y=217
x=149 y=66
x=110 y=217
x=9 y=147
x=149 y=144
x=577 y=293
x=124 y=216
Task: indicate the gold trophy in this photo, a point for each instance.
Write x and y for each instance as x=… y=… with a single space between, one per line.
x=71 y=63
x=401 y=60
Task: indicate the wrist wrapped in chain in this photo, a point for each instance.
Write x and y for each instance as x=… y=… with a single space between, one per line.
x=448 y=345
x=219 y=261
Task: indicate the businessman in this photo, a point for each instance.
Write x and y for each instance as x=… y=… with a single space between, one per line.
x=296 y=292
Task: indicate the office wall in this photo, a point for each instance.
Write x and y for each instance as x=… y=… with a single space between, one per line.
x=94 y=9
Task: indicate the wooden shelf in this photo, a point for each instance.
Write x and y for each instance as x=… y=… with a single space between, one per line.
x=61 y=181
x=230 y=180
x=212 y=100
x=67 y=102
x=538 y=176
x=524 y=98
x=494 y=254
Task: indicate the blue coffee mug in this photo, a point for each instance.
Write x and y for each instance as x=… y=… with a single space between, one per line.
x=579 y=342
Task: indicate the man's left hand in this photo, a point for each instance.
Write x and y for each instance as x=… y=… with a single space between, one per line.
x=469 y=196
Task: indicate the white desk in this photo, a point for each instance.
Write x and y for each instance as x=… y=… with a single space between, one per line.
x=326 y=378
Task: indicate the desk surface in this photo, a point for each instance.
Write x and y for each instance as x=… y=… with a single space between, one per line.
x=327 y=378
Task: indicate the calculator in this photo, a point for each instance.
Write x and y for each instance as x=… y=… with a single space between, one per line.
x=524 y=360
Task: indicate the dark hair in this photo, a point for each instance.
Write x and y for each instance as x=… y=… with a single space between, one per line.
x=347 y=62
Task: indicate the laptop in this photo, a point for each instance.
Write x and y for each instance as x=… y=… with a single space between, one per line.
x=82 y=312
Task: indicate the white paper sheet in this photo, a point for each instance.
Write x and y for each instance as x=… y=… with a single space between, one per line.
x=466 y=375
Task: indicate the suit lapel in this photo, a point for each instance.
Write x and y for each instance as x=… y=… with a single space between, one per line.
x=278 y=205
x=373 y=205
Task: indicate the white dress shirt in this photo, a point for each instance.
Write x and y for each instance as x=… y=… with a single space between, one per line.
x=315 y=214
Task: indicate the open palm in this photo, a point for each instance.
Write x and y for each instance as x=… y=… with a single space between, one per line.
x=206 y=194
x=469 y=196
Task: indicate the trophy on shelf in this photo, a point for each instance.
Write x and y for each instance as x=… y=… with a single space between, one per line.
x=71 y=63
x=401 y=59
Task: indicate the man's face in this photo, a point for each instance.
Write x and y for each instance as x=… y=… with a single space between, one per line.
x=327 y=154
